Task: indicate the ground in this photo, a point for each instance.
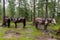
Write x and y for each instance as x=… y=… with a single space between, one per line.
x=29 y=33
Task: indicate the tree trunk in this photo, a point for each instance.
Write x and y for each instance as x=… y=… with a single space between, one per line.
x=38 y=9
x=34 y=13
x=46 y=15
x=31 y=15
x=3 y=12
x=54 y=9
x=19 y=9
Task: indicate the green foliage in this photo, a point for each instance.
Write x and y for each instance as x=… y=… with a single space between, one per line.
x=19 y=13
x=25 y=9
x=0 y=9
x=0 y=0
x=51 y=6
x=58 y=18
x=11 y=8
x=41 y=11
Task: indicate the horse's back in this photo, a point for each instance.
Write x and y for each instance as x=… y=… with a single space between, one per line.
x=20 y=19
x=40 y=20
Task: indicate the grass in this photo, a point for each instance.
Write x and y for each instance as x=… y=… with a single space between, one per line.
x=29 y=33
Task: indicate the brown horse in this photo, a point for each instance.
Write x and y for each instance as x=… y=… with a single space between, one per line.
x=19 y=20
x=44 y=22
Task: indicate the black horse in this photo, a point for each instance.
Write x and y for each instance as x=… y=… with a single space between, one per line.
x=7 y=21
x=19 y=20
x=44 y=22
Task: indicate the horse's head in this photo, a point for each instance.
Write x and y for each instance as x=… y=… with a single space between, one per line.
x=53 y=21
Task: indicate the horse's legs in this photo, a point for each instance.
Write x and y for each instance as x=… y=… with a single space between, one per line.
x=8 y=23
x=24 y=23
x=36 y=25
x=15 y=25
x=45 y=27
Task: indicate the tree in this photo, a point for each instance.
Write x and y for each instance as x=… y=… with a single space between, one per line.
x=31 y=8
x=25 y=9
x=34 y=12
x=46 y=15
x=54 y=8
x=11 y=8
x=3 y=12
x=58 y=13
x=0 y=9
x=19 y=8
x=38 y=7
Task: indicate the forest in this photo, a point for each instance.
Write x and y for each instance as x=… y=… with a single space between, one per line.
x=29 y=19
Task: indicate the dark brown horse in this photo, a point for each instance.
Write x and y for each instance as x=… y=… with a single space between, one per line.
x=7 y=21
x=44 y=22
x=19 y=20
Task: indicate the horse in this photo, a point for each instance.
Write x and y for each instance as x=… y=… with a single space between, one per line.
x=19 y=20
x=44 y=22
x=7 y=21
